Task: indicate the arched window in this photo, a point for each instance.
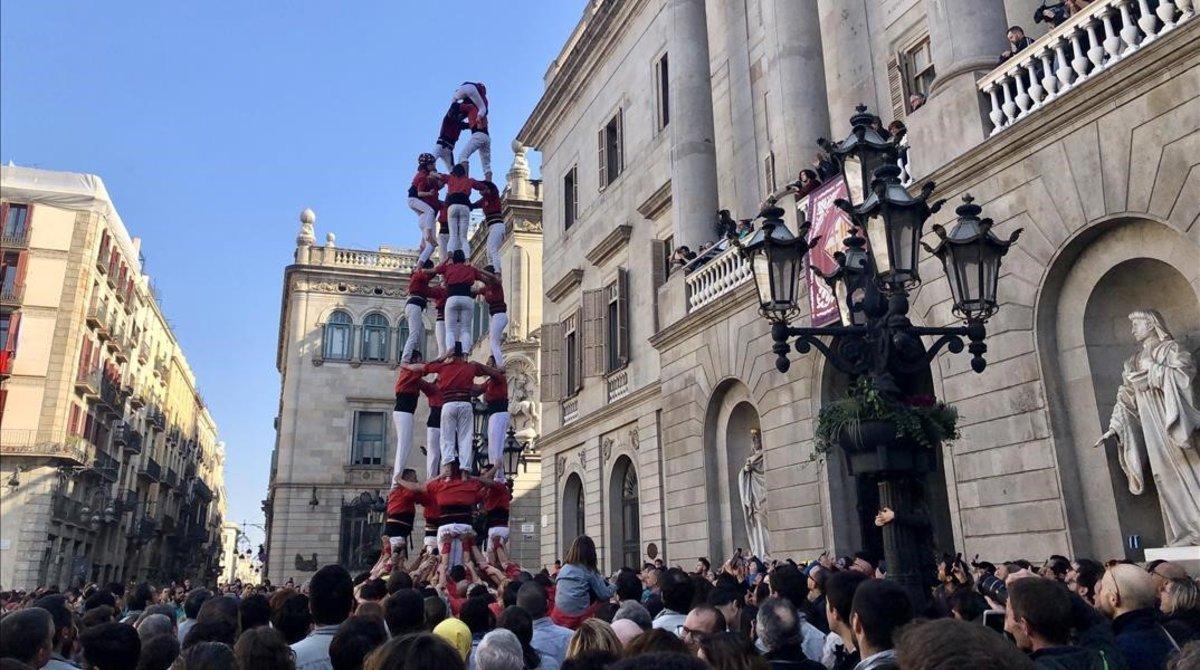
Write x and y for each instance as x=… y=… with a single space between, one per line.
x=375 y=337
x=573 y=523
x=362 y=520
x=337 y=337
x=625 y=515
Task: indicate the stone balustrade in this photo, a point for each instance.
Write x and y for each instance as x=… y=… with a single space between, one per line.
x=618 y=384
x=570 y=409
x=402 y=261
x=710 y=279
x=1087 y=43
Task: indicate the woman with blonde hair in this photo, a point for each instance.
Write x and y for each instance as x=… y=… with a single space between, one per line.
x=579 y=589
x=594 y=634
x=1180 y=605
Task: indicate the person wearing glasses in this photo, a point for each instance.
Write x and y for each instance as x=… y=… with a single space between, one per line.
x=701 y=622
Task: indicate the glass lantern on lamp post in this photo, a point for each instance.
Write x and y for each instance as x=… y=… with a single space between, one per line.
x=861 y=153
x=514 y=451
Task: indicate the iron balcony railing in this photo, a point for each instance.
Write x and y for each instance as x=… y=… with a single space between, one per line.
x=50 y=444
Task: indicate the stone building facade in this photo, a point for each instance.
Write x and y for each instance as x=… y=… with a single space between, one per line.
x=657 y=113
x=112 y=465
x=340 y=337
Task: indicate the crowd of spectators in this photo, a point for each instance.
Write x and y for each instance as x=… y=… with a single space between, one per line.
x=747 y=614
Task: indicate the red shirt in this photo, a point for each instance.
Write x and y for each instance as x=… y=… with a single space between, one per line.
x=443 y=209
x=418 y=282
x=432 y=394
x=462 y=184
x=401 y=501
x=454 y=492
x=457 y=273
x=455 y=378
x=496 y=497
x=493 y=295
x=475 y=122
x=490 y=202
x=452 y=125
x=407 y=381
x=438 y=294
x=495 y=389
x=432 y=511
x=423 y=182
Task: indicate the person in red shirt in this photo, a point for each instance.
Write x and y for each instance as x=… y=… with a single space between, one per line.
x=407 y=390
x=424 y=187
x=453 y=124
x=474 y=91
x=479 y=141
x=432 y=519
x=495 y=395
x=497 y=499
x=414 y=309
x=455 y=379
x=433 y=429
x=455 y=493
x=401 y=510
x=492 y=293
x=459 y=277
x=443 y=233
x=493 y=218
x=458 y=199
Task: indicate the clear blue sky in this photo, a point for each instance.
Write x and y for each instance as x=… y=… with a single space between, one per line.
x=214 y=123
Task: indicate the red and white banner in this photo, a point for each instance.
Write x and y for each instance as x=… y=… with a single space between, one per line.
x=832 y=225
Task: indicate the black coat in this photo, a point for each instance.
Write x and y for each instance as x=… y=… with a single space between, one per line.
x=1183 y=626
x=1142 y=640
x=791 y=657
x=1068 y=658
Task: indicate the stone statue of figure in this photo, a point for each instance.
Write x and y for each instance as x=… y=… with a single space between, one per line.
x=752 y=486
x=1155 y=423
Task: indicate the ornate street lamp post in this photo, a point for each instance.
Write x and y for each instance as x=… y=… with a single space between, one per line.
x=877 y=341
x=514 y=453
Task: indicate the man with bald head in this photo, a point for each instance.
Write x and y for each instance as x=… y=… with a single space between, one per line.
x=1126 y=594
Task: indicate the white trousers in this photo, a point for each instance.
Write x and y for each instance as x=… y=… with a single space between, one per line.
x=459 y=217
x=433 y=451
x=471 y=93
x=481 y=142
x=439 y=334
x=426 y=219
x=497 y=432
x=443 y=242
x=404 y=423
x=416 y=331
x=458 y=421
x=496 y=334
x=445 y=154
x=459 y=310
x=495 y=236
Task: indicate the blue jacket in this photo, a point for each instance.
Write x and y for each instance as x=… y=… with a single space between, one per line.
x=575 y=587
x=1142 y=640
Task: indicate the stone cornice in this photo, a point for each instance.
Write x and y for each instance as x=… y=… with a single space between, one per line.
x=565 y=433
x=657 y=203
x=611 y=244
x=718 y=310
x=573 y=278
x=605 y=28
x=1127 y=80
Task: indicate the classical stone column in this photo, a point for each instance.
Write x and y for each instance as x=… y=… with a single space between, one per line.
x=693 y=150
x=798 y=73
x=849 y=77
x=746 y=175
x=966 y=37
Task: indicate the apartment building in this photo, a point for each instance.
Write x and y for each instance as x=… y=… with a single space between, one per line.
x=112 y=465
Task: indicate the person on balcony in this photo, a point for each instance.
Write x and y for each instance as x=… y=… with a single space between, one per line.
x=1017 y=40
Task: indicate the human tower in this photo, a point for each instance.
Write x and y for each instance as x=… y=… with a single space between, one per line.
x=450 y=494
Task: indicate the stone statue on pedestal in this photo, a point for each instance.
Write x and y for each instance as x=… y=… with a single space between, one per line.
x=1155 y=423
x=752 y=486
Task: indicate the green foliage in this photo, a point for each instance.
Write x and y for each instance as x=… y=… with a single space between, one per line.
x=922 y=419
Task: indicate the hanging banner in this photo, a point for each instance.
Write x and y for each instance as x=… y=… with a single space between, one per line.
x=832 y=225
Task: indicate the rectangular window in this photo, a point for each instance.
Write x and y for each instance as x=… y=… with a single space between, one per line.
x=570 y=197
x=611 y=143
x=617 y=331
x=572 y=355
x=369 y=435
x=5 y=321
x=613 y=335
x=8 y=271
x=769 y=172
x=16 y=219
x=662 y=94
x=916 y=63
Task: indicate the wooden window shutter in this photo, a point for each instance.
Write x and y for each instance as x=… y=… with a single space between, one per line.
x=659 y=269
x=14 y=331
x=620 y=141
x=895 y=74
x=551 y=363
x=603 y=158
x=593 y=332
x=622 y=342
x=574 y=194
